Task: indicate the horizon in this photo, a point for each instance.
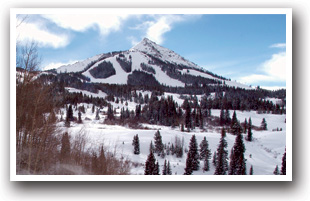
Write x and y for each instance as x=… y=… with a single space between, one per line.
x=248 y=48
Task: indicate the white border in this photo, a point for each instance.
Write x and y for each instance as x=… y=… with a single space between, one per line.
x=287 y=177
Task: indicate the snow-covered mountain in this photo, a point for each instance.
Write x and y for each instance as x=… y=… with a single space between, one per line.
x=147 y=63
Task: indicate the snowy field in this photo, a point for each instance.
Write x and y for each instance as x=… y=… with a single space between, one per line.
x=263 y=153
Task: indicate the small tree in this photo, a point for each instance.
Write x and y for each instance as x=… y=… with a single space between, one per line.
x=249 y=136
x=159 y=146
x=251 y=170
x=221 y=162
x=283 y=168
x=276 y=171
x=136 y=145
x=192 y=161
x=97 y=114
x=237 y=163
x=204 y=149
x=264 y=124
x=214 y=159
x=150 y=165
x=169 y=172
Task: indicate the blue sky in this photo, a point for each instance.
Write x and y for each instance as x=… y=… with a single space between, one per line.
x=247 y=48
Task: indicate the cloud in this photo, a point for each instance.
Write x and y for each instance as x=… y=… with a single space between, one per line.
x=278 y=45
x=57 y=64
x=35 y=32
x=106 y=23
x=155 y=28
x=273 y=71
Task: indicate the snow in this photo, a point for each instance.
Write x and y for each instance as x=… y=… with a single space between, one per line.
x=149 y=47
x=275 y=101
x=100 y=94
x=78 y=66
x=264 y=153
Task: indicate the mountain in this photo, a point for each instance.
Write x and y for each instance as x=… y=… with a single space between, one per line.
x=147 y=63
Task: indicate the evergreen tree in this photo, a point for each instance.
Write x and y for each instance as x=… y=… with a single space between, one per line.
x=159 y=146
x=222 y=117
x=283 y=168
x=237 y=163
x=221 y=162
x=251 y=170
x=264 y=124
x=165 y=168
x=169 y=172
x=70 y=114
x=93 y=109
x=192 y=161
x=151 y=149
x=156 y=170
x=110 y=113
x=150 y=165
x=65 y=148
x=245 y=126
x=227 y=117
x=97 y=114
x=276 y=171
x=204 y=149
x=188 y=119
x=249 y=136
x=80 y=118
x=206 y=165
x=214 y=159
x=235 y=125
x=136 y=144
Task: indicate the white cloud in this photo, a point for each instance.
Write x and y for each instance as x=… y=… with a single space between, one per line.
x=273 y=71
x=155 y=28
x=278 y=45
x=57 y=64
x=106 y=23
x=35 y=32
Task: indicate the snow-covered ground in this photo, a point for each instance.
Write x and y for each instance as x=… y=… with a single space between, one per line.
x=264 y=153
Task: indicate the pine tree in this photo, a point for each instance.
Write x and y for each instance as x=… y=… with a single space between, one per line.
x=110 y=113
x=276 y=171
x=235 y=125
x=249 y=136
x=237 y=163
x=222 y=117
x=165 y=168
x=245 y=126
x=156 y=170
x=70 y=114
x=65 y=148
x=192 y=161
x=150 y=165
x=204 y=149
x=214 y=159
x=93 y=109
x=80 y=118
x=206 y=165
x=188 y=119
x=283 y=168
x=169 y=172
x=151 y=149
x=136 y=144
x=159 y=146
x=264 y=124
x=227 y=117
x=251 y=170
x=221 y=162
x=97 y=114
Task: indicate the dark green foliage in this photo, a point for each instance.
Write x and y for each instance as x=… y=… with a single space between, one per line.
x=159 y=146
x=264 y=124
x=237 y=164
x=204 y=149
x=276 y=171
x=235 y=125
x=103 y=70
x=69 y=116
x=222 y=156
x=251 y=170
x=140 y=78
x=136 y=144
x=214 y=160
x=249 y=136
x=79 y=117
x=147 y=68
x=283 y=168
x=65 y=148
x=150 y=165
x=188 y=119
x=124 y=63
x=192 y=161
